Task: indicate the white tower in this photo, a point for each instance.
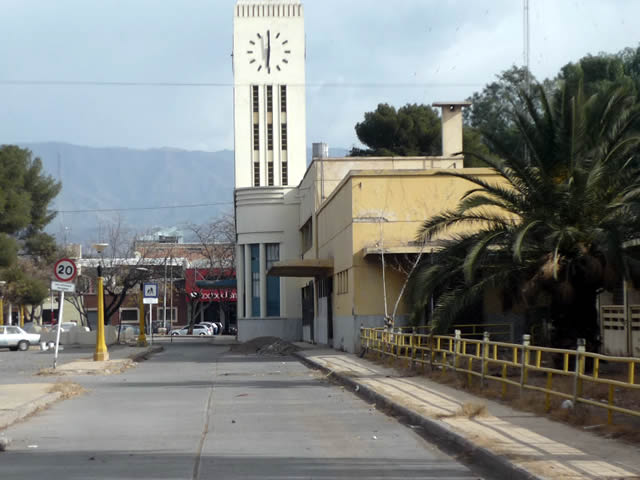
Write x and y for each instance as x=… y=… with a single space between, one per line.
x=270 y=161
x=269 y=93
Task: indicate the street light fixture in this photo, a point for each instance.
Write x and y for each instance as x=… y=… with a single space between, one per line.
x=101 y=353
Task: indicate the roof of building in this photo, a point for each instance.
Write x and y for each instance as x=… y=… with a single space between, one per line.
x=306 y=267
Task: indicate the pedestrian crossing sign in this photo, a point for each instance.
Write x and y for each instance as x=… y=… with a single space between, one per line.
x=150 y=290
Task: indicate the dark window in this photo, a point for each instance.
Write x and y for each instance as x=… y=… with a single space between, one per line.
x=285 y=174
x=270 y=136
x=283 y=136
x=306 y=233
x=273 y=283
x=269 y=99
x=270 y=173
x=256 y=137
x=256 y=174
x=283 y=98
x=255 y=99
x=255 y=280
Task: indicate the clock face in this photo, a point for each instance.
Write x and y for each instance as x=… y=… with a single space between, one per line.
x=269 y=51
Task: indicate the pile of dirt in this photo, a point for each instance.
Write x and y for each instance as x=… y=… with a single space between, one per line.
x=265 y=346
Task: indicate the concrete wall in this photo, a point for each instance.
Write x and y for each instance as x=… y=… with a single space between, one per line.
x=79 y=336
x=346 y=329
x=286 y=328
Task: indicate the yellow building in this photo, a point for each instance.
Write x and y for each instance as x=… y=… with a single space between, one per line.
x=355 y=211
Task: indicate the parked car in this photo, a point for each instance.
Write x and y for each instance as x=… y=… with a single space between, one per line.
x=198 y=329
x=213 y=328
x=16 y=338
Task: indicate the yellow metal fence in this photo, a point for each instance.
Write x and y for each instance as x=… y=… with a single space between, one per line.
x=524 y=366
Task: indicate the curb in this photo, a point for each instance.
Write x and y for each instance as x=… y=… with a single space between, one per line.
x=449 y=441
x=144 y=355
x=9 y=418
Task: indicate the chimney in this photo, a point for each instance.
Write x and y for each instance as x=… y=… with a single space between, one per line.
x=451 y=126
x=320 y=150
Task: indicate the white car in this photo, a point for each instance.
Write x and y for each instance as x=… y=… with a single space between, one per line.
x=200 y=330
x=16 y=338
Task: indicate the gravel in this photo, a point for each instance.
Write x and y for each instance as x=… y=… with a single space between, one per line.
x=265 y=346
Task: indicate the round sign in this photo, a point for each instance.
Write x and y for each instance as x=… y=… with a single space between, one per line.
x=65 y=270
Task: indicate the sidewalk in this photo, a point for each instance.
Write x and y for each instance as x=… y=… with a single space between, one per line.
x=18 y=401
x=510 y=442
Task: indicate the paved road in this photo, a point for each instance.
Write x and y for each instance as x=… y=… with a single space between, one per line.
x=199 y=412
x=20 y=367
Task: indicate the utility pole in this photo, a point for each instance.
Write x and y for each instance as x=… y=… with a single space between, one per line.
x=525 y=54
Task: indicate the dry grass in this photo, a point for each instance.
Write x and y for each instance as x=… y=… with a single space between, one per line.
x=468 y=410
x=67 y=389
x=585 y=417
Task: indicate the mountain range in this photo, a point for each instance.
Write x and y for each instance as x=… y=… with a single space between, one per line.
x=105 y=185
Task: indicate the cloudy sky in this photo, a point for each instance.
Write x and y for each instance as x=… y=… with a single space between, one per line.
x=358 y=51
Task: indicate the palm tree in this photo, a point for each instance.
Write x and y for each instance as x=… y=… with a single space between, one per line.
x=552 y=229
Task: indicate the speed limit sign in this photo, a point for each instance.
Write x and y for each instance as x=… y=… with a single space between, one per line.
x=65 y=270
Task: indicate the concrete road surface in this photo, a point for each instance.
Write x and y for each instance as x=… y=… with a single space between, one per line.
x=197 y=411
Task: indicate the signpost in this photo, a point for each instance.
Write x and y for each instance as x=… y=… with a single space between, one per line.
x=150 y=296
x=65 y=271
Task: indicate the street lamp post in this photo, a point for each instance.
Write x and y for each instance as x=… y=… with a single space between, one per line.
x=2 y=284
x=142 y=339
x=101 y=353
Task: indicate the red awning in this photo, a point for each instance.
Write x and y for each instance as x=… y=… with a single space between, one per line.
x=192 y=275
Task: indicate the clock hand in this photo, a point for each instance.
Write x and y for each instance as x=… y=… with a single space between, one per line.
x=268 y=47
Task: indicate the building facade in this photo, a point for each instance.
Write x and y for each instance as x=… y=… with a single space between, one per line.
x=270 y=160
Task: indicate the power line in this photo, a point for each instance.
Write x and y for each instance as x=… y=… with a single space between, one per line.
x=92 y=83
x=128 y=209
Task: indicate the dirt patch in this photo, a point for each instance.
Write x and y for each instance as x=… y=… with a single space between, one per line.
x=67 y=389
x=265 y=346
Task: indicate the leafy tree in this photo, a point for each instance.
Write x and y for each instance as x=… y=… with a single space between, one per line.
x=26 y=251
x=25 y=195
x=552 y=229
x=410 y=130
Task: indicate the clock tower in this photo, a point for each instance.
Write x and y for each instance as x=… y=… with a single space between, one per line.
x=269 y=93
x=270 y=161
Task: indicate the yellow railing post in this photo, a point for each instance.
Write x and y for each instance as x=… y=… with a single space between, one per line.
x=526 y=341
x=485 y=363
x=577 y=384
x=547 y=394
x=504 y=383
x=609 y=411
x=456 y=350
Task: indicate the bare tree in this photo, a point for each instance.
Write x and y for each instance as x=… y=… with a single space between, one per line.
x=216 y=241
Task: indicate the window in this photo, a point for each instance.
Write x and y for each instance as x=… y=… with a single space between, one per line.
x=285 y=174
x=283 y=99
x=128 y=315
x=273 y=283
x=270 y=136
x=255 y=280
x=306 y=234
x=325 y=287
x=172 y=315
x=283 y=136
x=269 y=99
x=270 y=173
x=256 y=174
x=255 y=99
x=342 y=282
x=256 y=137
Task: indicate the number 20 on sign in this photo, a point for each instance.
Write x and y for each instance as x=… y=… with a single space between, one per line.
x=65 y=270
